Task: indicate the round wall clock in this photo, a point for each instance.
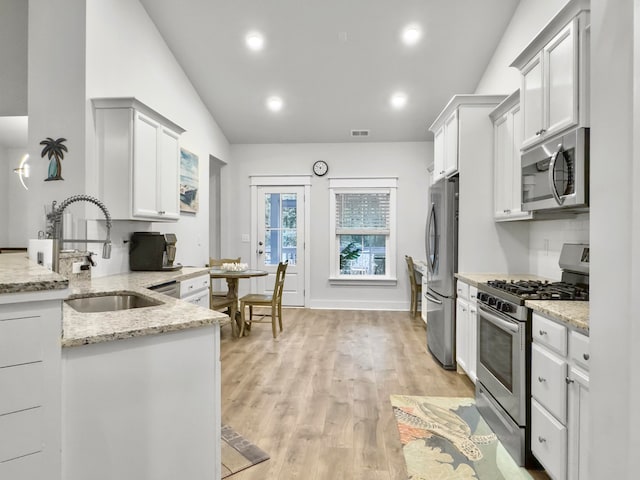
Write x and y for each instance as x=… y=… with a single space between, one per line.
x=320 y=168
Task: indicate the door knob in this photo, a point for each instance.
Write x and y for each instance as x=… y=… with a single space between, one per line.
x=260 y=252
x=260 y=243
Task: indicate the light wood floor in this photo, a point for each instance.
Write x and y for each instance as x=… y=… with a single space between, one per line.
x=317 y=398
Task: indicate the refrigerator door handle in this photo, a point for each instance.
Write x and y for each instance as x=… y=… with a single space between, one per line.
x=433 y=299
x=431 y=258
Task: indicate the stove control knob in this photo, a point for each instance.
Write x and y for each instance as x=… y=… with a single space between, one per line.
x=506 y=308
x=498 y=305
x=482 y=297
x=492 y=301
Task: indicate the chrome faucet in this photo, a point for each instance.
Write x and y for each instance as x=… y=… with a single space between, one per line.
x=58 y=241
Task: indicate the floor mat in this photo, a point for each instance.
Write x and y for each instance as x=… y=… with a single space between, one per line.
x=238 y=453
x=446 y=438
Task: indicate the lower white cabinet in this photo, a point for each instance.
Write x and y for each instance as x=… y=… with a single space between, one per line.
x=578 y=421
x=466 y=329
x=30 y=425
x=560 y=399
x=196 y=290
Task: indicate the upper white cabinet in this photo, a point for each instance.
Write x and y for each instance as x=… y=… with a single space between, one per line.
x=449 y=126
x=139 y=149
x=507 y=138
x=555 y=80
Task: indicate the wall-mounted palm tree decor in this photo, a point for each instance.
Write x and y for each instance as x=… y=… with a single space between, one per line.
x=54 y=150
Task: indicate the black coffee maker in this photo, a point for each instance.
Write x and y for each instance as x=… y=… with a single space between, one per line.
x=153 y=251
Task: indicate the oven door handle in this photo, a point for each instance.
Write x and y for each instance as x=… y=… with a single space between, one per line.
x=433 y=299
x=498 y=322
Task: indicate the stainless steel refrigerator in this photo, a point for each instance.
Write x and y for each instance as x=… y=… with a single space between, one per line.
x=441 y=242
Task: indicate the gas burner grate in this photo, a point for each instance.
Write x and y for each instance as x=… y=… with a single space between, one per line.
x=542 y=290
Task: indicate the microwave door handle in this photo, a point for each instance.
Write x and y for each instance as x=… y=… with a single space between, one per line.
x=552 y=176
x=433 y=299
x=499 y=322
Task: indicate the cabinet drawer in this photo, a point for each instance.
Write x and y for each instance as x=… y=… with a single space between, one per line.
x=548 y=381
x=548 y=441
x=462 y=290
x=21 y=387
x=192 y=285
x=550 y=333
x=23 y=468
x=579 y=349
x=20 y=340
x=473 y=294
x=20 y=433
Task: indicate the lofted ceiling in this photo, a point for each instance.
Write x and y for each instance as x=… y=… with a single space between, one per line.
x=335 y=63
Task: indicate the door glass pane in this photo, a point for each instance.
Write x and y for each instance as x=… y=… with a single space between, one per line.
x=281 y=218
x=563 y=174
x=363 y=254
x=496 y=352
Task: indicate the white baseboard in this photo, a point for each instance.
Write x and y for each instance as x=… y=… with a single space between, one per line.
x=359 y=305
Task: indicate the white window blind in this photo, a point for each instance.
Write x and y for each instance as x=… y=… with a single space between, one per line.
x=363 y=213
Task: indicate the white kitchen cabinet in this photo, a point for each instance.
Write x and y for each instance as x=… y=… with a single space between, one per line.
x=138 y=161
x=560 y=399
x=578 y=408
x=146 y=407
x=30 y=420
x=196 y=290
x=554 y=69
x=507 y=139
x=438 y=154
x=450 y=125
x=466 y=329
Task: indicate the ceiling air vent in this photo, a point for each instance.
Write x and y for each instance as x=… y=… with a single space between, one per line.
x=359 y=133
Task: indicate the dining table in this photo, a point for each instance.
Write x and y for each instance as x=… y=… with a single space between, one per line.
x=232 y=277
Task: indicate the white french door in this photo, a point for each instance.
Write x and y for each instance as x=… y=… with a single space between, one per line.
x=280 y=236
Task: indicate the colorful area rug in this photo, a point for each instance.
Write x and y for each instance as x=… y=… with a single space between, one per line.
x=445 y=438
x=238 y=453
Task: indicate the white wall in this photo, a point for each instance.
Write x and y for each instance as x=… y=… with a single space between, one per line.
x=615 y=232
x=13 y=228
x=13 y=57
x=5 y=165
x=56 y=102
x=407 y=161
x=127 y=57
x=545 y=236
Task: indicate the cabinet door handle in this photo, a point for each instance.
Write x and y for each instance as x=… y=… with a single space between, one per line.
x=161 y=212
x=541 y=439
x=542 y=379
x=542 y=131
x=585 y=356
x=569 y=380
x=542 y=332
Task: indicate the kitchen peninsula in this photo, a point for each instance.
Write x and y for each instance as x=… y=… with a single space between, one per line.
x=140 y=387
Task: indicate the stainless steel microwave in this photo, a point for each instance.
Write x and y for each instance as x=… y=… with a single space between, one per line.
x=555 y=174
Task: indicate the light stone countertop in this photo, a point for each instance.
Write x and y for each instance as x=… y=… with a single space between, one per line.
x=476 y=278
x=18 y=274
x=575 y=314
x=87 y=328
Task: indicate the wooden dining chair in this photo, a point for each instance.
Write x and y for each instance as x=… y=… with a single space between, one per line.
x=217 y=262
x=259 y=300
x=416 y=286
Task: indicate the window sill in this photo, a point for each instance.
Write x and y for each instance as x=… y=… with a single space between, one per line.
x=362 y=280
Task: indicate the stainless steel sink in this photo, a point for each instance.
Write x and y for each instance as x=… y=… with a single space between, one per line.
x=111 y=302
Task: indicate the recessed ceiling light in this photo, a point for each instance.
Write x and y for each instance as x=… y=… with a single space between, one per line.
x=398 y=100
x=254 y=41
x=411 y=34
x=274 y=104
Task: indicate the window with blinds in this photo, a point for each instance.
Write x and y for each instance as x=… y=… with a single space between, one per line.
x=362 y=213
x=363 y=221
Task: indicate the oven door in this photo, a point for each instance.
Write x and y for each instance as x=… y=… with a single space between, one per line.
x=502 y=361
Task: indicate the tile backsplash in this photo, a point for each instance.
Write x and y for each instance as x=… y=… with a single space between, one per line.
x=546 y=238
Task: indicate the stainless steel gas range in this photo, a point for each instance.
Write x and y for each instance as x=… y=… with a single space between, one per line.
x=503 y=387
